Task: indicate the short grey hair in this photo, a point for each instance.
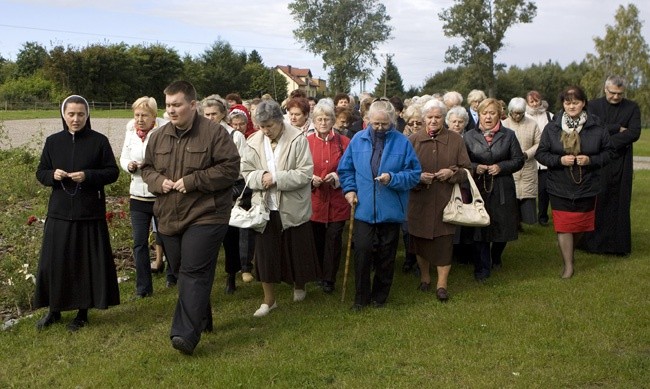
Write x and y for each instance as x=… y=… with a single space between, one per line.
x=325 y=109
x=268 y=110
x=383 y=107
x=452 y=98
x=459 y=112
x=216 y=101
x=476 y=95
x=434 y=104
x=616 y=81
x=517 y=104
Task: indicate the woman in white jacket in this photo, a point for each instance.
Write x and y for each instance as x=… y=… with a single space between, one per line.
x=138 y=133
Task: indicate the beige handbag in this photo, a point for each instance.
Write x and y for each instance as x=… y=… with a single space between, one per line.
x=254 y=218
x=470 y=215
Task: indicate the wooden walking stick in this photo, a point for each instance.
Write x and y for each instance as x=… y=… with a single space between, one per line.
x=347 y=254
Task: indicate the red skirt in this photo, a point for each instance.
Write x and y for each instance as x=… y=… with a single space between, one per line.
x=573 y=215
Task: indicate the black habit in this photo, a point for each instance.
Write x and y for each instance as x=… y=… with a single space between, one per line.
x=76 y=268
x=613 y=228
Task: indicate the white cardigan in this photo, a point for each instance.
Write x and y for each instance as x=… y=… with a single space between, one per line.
x=133 y=150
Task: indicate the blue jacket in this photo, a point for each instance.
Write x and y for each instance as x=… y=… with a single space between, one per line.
x=379 y=203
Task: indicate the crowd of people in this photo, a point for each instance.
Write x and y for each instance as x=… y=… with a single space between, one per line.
x=387 y=165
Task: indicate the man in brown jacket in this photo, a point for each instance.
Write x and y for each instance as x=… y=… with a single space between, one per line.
x=191 y=164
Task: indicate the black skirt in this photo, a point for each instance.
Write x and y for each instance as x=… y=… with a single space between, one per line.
x=286 y=255
x=76 y=268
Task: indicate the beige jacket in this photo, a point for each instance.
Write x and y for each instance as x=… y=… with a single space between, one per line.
x=294 y=170
x=528 y=134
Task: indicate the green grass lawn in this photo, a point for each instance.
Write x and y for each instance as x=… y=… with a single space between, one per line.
x=642 y=146
x=525 y=327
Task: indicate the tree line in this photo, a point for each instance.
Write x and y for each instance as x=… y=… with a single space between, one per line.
x=119 y=72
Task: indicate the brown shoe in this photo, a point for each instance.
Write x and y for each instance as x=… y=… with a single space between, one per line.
x=424 y=287
x=442 y=294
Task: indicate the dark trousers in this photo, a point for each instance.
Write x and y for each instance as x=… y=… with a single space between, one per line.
x=374 y=244
x=141 y=214
x=231 y=250
x=328 y=238
x=193 y=256
x=246 y=249
x=542 y=196
x=410 y=259
x=487 y=254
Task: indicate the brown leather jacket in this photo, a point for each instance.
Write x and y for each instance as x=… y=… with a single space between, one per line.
x=206 y=157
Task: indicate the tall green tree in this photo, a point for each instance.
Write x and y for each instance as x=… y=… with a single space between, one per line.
x=390 y=82
x=259 y=80
x=32 y=57
x=624 y=52
x=482 y=25
x=255 y=57
x=221 y=68
x=345 y=33
x=156 y=67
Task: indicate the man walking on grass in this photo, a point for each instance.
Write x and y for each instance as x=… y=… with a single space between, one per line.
x=191 y=164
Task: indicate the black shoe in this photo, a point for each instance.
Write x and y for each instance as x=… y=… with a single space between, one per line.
x=424 y=287
x=543 y=222
x=76 y=324
x=357 y=307
x=170 y=284
x=48 y=320
x=140 y=296
x=377 y=304
x=182 y=345
x=230 y=284
x=328 y=287
x=496 y=266
x=442 y=294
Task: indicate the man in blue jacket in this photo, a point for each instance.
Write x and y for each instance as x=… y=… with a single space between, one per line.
x=377 y=170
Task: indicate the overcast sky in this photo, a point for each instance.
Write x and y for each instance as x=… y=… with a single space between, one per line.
x=563 y=30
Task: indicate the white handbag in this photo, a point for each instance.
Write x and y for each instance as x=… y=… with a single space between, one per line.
x=473 y=214
x=254 y=218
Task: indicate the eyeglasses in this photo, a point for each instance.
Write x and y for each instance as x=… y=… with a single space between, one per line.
x=380 y=99
x=380 y=126
x=322 y=120
x=516 y=113
x=614 y=93
x=414 y=124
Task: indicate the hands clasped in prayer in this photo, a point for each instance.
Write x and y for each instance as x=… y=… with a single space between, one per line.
x=169 y=185
x=74 y=176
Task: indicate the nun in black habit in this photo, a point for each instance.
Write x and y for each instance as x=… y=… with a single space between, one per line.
x=76 y=268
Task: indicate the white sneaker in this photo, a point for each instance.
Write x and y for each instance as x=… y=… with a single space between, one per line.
x=247 y=277
x=299 y=294
x=264 y=309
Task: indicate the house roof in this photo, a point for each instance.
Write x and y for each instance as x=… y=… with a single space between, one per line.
x=298 y=75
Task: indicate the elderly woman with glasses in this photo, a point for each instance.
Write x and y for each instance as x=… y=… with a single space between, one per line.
x=414 y=121
x=330 y=210
x=377 y=171
x=215 y=108
x=279 y=169
x=528 y=135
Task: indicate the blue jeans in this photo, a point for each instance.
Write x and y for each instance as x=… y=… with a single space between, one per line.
x=141 y=214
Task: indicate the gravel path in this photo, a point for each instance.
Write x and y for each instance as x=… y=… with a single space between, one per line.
x=35 y=131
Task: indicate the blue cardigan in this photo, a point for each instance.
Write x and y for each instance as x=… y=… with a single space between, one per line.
x=379 y=203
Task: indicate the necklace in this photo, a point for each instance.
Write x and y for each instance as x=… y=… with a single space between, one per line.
x=71 y=194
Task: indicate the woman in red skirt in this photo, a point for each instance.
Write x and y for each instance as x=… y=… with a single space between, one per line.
x=574 y=147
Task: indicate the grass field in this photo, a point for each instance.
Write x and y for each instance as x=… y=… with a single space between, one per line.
x=524 y=328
